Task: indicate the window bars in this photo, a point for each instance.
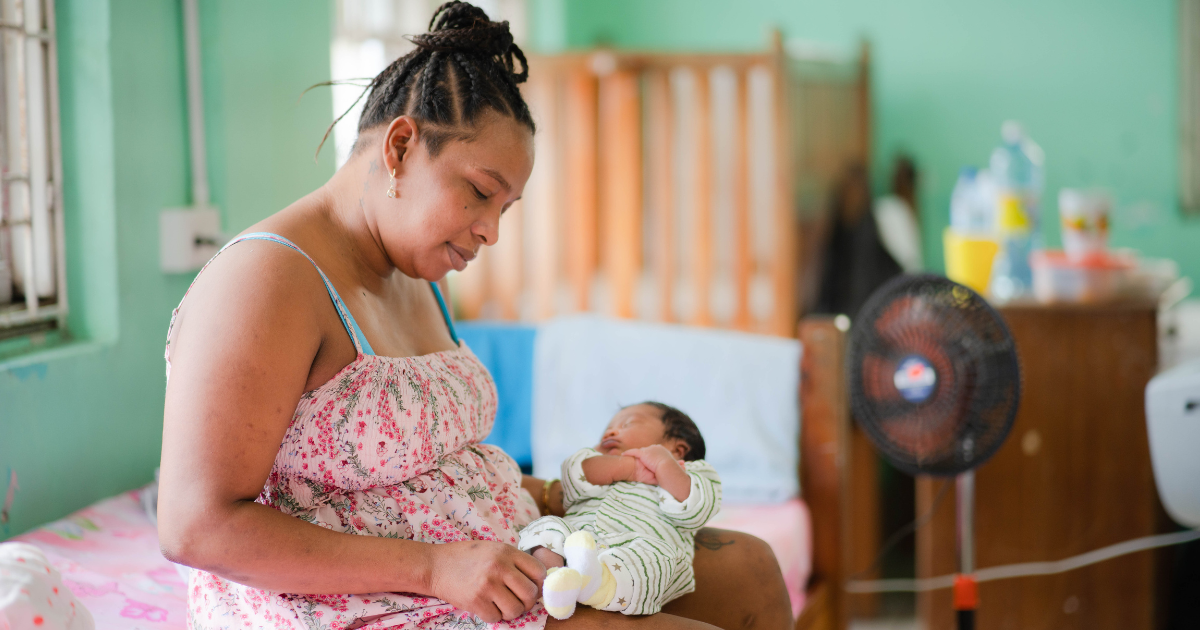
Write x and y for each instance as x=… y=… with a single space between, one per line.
x=32 y=274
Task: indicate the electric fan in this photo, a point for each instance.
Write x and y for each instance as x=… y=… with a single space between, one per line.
x=934 y=383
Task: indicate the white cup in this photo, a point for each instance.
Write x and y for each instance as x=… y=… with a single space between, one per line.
x=1084 y=215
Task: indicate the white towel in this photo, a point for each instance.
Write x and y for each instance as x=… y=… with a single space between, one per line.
x=741 y=389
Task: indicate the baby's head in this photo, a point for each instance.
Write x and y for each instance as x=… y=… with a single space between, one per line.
x=649 y=423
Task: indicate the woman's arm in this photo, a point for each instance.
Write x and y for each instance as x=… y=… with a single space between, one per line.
x=549 y=500
x=241 y=358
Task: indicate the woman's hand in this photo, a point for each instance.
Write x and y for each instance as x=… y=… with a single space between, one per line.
x=548 y=558
x=490 y=579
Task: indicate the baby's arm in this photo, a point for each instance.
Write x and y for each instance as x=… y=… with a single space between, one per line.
x=605 y=470
x=667 y=470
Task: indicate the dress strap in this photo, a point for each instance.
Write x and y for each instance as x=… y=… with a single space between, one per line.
x=356 y=335
x=445 y=312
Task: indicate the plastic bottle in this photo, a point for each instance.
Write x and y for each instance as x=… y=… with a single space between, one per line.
x=972 y=204
x=1018 y=168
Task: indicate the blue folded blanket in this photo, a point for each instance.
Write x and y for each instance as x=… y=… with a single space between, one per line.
x=507 y=352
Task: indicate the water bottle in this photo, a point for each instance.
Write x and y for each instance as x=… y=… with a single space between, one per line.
x=1017 y=166
x=972 y=204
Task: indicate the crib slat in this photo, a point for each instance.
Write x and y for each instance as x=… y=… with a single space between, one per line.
x=742 y=263
x=702 y=212
x=506 y=274
x=621 y=198
x=661 y=130
x=542 y=212
x=784 y=265
x=581 y=185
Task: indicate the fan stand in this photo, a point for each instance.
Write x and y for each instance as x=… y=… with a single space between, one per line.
x=966 y=591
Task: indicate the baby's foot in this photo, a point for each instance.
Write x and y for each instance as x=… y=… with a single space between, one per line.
x=582 y=555
x=560 y=591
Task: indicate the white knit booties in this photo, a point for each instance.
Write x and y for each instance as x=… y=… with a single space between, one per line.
x=560 y=591
x=585 y=579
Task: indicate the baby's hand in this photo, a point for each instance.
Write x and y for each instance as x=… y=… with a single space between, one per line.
x=653 y=458
x=641 y=472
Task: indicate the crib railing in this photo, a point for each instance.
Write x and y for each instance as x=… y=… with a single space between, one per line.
x=666 y=187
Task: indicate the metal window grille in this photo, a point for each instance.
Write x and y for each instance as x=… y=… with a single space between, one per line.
x=32 y=273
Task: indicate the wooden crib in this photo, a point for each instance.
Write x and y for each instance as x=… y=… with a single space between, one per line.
x=675 y=187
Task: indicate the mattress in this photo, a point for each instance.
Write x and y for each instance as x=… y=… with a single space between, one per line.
x=109 y=557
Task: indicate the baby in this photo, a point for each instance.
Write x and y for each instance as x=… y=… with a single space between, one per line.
x=633 y=505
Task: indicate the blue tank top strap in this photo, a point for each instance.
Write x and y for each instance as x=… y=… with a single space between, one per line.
x=445 y=312
x=356 y=333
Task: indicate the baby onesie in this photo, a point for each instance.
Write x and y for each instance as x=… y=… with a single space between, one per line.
x=646 y=538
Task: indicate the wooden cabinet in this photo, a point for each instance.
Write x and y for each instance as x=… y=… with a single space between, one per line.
x=1074 y=475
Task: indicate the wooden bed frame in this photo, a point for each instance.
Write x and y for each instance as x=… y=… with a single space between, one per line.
x=693 y=188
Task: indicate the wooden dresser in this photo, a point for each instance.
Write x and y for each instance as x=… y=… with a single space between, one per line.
x=1074 y=475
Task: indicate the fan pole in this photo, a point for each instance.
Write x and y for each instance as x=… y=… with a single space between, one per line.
x=966 y=591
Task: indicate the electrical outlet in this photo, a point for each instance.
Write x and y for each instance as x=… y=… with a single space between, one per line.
x=188 y=238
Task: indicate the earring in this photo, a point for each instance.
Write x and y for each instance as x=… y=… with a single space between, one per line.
x=392 y=194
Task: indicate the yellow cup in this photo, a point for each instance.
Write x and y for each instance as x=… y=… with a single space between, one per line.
x=969 y=259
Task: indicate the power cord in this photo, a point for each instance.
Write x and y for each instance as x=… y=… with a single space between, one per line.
x=1025 y=569
x=901 y=533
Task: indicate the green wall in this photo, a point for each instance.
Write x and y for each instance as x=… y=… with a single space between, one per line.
x=82 y=419
x=1094 y=82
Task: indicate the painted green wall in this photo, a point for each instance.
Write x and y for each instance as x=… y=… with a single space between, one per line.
x=1094 y=82
x=84 y=420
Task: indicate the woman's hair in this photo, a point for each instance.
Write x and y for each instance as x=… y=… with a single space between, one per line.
x=464 y=66
x=679 y=426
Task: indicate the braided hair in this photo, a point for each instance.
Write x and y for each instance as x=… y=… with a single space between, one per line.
x=463 y=67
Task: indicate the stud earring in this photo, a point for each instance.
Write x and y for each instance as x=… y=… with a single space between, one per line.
x=392 y=194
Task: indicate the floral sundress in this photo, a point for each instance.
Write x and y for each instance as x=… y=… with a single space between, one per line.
x=387 y=447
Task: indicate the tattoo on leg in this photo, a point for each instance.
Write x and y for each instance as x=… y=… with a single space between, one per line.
x=710 y=540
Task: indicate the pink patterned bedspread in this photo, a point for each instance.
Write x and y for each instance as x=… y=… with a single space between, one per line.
x=108 y=555
x=787 y=528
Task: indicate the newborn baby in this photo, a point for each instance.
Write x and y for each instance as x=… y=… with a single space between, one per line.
x=633 y=505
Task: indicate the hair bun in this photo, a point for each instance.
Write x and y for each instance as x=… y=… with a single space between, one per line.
x=463 y=27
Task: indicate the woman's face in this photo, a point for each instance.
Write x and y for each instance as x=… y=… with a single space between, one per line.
x=448 y=206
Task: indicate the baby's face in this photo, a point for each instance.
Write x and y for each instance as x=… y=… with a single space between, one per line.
x=637 y=426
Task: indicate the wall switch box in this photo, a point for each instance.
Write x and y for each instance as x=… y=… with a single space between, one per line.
x=187 y=238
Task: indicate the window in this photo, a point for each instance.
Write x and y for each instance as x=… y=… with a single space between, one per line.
x=32 y=275
x=370 y=34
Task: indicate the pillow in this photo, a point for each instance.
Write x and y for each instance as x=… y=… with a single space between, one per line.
x=741 y=389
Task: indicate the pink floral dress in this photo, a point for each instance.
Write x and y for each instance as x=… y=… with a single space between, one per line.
x=388 y=447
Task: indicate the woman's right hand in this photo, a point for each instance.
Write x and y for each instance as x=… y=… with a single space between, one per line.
x=490 y=579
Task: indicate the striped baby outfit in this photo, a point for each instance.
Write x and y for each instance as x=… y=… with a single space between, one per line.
x=645 y=537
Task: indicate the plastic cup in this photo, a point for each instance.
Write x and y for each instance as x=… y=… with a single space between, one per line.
x=1085 y=219
x=969 y=258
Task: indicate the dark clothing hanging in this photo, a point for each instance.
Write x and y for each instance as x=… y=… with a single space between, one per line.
x=856 y=263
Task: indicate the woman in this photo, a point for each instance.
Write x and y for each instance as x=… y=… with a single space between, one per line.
x=323 y=424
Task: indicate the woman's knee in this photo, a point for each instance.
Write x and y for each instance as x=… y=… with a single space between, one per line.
x=739 y=585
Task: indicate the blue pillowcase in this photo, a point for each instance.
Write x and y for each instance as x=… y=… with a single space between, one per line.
x=506 y=350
